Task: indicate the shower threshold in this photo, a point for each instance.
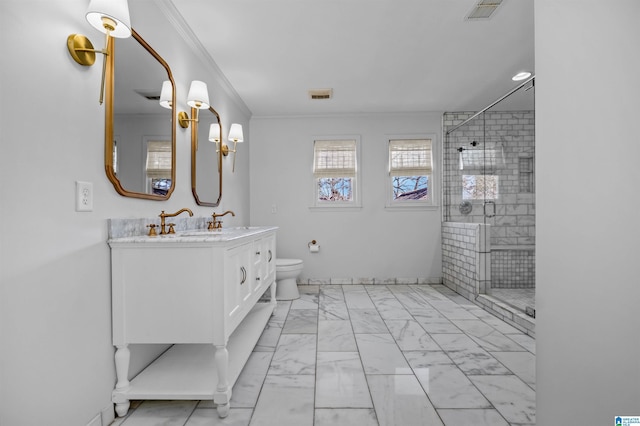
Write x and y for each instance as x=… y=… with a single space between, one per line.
x=512 y=313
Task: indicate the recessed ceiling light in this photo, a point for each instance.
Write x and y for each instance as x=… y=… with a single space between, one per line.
x=523 y=75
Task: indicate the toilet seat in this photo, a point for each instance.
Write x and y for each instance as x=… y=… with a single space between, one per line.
x=287 y=262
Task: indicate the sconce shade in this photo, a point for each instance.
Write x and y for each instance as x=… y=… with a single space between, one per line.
x=166 y=95
x=198 y=96
x=235 y=133
x=115 y=10
x=214 y=132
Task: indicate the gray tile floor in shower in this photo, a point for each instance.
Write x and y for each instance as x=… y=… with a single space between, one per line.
x=373 y=355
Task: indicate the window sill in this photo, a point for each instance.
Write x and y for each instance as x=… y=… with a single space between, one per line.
x=411 y=207
x=335 y=207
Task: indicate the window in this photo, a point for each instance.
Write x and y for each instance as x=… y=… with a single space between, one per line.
x=480 y=179
x=159 y=167
x=335 y=172
x=479 y=187
x=411 y=170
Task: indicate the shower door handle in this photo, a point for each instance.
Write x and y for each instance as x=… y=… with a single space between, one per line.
x=493 y=210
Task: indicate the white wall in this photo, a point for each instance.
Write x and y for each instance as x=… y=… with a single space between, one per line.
x=56 y=365
x=371 y=242
x=588 y=229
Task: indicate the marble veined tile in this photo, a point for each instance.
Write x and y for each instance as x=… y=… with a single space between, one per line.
x=301 y=321
x=209 y=417
x=336 y=336
x=387 y=304
x=454 y=342
x=510 y=396
x=306 y=301
x=435 y=324
x=381 y=355
x=367 y=321
x=331 y=293
x=169 y=413
x=400 y=400
x=487 y=336
x=333 y=310
x=430 y=293
x=445 y=384
x=268 y=339
x=526 y=341
x=409 y=298
x=522 y=364
x=295 y=354
x=475 y=417
x=477 y=362
x=345 y=417
x=340 y=381
x=280 y=313
x=452 y=310
x=410 y=336
x=357 y=297
x=285 y=401
x=247 y=387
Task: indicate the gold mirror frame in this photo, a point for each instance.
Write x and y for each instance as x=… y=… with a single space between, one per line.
x=109 y=136
x=194 y=157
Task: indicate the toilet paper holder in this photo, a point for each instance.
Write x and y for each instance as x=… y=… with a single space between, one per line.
x=314 y=247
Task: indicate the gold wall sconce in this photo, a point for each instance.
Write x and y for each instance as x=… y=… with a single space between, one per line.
x=235 y=136
x=198 y=98
x=110 y=17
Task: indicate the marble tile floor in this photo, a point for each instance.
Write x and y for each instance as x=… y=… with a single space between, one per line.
x=373 y=355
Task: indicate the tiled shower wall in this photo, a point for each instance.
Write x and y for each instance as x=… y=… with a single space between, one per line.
x=512 y=135
x=464 y=258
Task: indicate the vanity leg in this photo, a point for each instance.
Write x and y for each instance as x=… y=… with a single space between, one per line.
x=222 y=395
x=122 y=358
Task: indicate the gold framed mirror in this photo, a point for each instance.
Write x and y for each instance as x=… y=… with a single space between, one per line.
x=206 y=157
x=140 y=135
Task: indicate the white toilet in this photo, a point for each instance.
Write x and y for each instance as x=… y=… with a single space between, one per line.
x=287 y=270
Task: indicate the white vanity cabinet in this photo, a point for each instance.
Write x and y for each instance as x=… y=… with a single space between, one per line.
x=200 y=292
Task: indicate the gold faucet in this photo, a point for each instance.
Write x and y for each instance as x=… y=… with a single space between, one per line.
x=164 y=215
x=217 y=224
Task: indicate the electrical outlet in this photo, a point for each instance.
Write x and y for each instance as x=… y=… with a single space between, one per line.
x=84 y=196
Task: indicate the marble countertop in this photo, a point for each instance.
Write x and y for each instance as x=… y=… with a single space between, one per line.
x=195 y=236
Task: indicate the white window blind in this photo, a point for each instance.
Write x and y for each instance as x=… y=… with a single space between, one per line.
x=159 y=159
x=410 y=157
x=334 y=158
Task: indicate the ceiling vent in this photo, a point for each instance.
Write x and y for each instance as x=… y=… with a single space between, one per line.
x=483 y=10
x=321 y=94
x=150 y=95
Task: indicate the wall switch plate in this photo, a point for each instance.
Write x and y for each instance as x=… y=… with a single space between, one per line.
x=84 y=196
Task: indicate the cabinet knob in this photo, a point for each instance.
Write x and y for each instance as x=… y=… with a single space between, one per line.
x=258 y=253
x=257 y=278
x=244 y=275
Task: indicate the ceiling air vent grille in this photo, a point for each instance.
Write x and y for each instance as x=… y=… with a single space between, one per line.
x=483 y=10
x=150 y=95
x=320 y=94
